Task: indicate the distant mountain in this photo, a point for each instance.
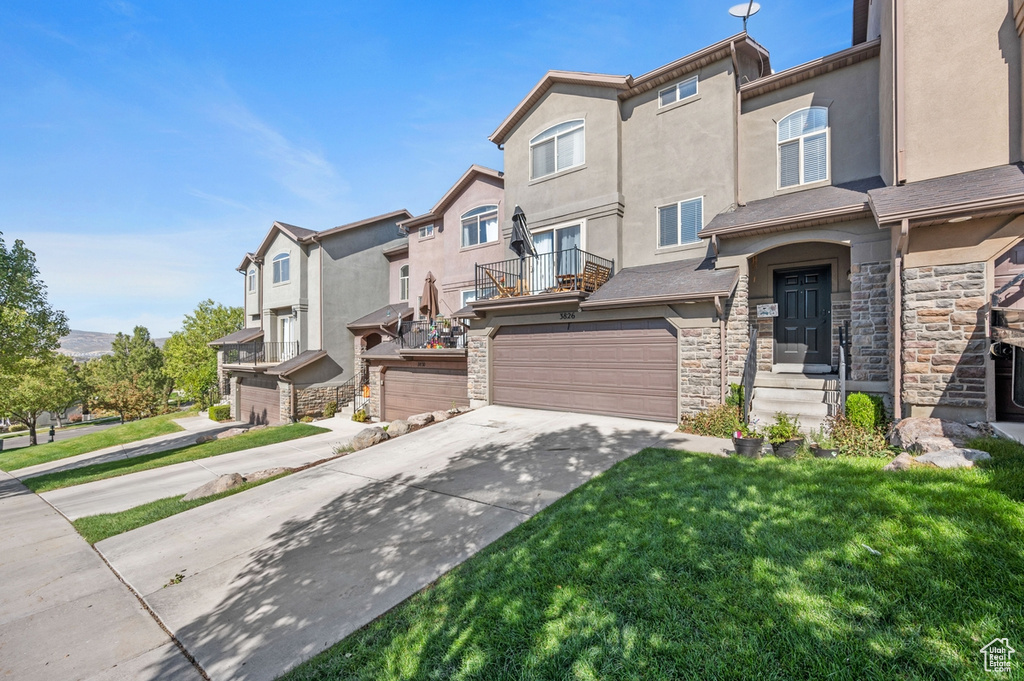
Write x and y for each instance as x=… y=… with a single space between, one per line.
x=90 y=344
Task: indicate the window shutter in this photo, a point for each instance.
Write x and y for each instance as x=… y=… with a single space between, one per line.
x=668 y=225
x=815 y=158
x=789 y=164
x=690 y=219
x=544 y=158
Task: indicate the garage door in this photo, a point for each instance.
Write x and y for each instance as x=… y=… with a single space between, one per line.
x=409 y=391
x=259 y=401
x=625 y=368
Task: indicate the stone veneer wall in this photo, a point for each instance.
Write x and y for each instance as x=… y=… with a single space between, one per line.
x=374 y=407
x=476 y=365
x=870 y=315
x=233 y=397
x=311 y=401
x=285 y=391
x=700 y=355
x=737 y=331
x=944 y=344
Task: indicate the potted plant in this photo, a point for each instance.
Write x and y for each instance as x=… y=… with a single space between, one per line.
x=747 y=441
x=825 y=446
x=785 y=436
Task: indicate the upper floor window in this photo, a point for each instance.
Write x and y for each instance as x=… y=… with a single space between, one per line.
x=803 y=147
x=678 y=223
x=281 y=268
x=480 y=226
x=468 y=296
x=403 y=283
x=252 y=280
x=426 y=230
x=557 y=148
x=678 y=92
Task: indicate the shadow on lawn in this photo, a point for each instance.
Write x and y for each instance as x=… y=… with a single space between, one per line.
x=671 y=565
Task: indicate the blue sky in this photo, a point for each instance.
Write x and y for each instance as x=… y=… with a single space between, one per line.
x=145 y=147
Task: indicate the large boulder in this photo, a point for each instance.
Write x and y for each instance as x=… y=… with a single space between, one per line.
x=957 y=457
x=368 y=437
x=203 y=439
x=439 y=416
x=398 y=428
x=902 y=462
x=221 y=484
x=266 y=473
x=908 y=432
x=230 y=432
x=417 y=421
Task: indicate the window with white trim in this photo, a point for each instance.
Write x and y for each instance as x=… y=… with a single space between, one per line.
x=403 y=283
x=480 y=226
x=803 y=147
x=677 y=92
x=679 y=223
x=468 y=297
x=557 y=148
x=252 y=280
x=426 y=231
x=281 y=268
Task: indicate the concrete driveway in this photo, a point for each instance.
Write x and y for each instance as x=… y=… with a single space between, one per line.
x=279 y=573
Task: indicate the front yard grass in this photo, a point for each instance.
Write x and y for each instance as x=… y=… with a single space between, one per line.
x=112 y=469
x=678 y=565
x=132 y=431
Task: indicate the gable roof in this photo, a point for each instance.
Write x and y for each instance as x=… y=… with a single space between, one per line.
x=385 y=316
x=403 y=214
x=297 y=234
x=821 y=205
x=990 y=191
x=812 y=69
x=453 y=193
x=664 y=282
x=628 y=86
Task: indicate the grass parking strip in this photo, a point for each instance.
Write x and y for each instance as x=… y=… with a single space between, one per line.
x=133 y=431
x=113 y=469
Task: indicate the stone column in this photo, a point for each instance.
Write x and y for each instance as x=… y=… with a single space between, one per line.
x=376 y=383
x=737 y=330
x=699 y=369
x=234 y=398
x=476 y=364
x=286 y=391
x=870 y=315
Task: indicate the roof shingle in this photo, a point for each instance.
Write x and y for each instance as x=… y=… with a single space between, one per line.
x=691 y=279
x=948 y=193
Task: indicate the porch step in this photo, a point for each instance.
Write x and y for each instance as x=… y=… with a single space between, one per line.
x=787 y=395
x=764 y=379
x=807 y=423
x=810 y=398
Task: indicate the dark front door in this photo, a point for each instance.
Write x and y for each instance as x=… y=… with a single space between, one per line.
x=802 y=329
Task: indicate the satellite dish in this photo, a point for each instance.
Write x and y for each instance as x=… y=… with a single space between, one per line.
x=744 y=11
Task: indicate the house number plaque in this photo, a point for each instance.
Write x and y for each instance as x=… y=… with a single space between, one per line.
x=768 y=310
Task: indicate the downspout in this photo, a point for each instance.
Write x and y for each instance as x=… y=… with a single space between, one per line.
x=897 y=309
x=721 y=346
x=737 y=104
x=898 y=82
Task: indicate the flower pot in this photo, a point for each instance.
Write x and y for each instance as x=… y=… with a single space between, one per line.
x=749 y=447
x=787 y=449
x=823 y=453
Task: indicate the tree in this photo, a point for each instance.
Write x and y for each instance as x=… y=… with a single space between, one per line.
x=35 y=386
x=188 y=359
x=131 y=381
x=29 y=327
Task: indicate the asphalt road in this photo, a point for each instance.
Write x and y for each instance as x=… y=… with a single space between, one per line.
x=42 y=435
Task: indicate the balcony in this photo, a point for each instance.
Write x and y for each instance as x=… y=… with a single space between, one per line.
x=259 y=353
x=440 y=334
x=572 y=271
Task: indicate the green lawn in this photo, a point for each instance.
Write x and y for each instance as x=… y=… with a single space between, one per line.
x=118 y=435
x=96 y=528
x=113 y=469
x=677 y=565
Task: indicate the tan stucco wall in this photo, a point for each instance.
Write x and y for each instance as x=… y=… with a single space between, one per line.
x=283 y=298
x=459 y=265
x=394 y=274
x=850 y=94
x=251 y=300
x=972 y=241
x=866 y=243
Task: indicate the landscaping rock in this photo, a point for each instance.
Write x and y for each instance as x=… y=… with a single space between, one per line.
x=203 y=439
x=440 y=416
x=221 y=484
x=909 y=431
x=953 y=458
x=230 y=432
x=368 y=437
x=398 y=428
x=901 y=463
x=925 y=445
x=419 y=420
x=266 y=473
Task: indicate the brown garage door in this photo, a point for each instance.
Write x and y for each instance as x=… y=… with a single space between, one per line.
x=414 y=390
x=625 y=368
x=259 y=401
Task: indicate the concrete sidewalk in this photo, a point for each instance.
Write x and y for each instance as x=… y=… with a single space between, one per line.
x=194 y=427
x=63 y=612
x=281 y=572
x=127 y=491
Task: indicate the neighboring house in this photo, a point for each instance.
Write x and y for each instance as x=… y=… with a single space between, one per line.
x=422 y=366
x=295 y=353
x=874 y=198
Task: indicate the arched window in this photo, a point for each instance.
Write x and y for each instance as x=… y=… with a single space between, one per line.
x=252 y=280
x=281 y=269
x=403 y=283
x=479 y=226
x=557 y=148
x=803 y=147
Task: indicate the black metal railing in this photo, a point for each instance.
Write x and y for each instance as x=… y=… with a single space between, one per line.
x=749 y=373
x=434 y=335
x=568 y=270
x=260 y=352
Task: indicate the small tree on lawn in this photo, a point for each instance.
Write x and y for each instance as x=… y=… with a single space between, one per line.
x=36 y=386
x=188 y=359
x=131 y=381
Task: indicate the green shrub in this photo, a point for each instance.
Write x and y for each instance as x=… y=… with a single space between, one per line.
x=735 y=398
x=306 y=419
x=219 y=412
x=722 y=420
x=360 y=416
x=17 y=427
x=866 y=411
x=783 y=430
x=330 y=409
x=854 y=440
